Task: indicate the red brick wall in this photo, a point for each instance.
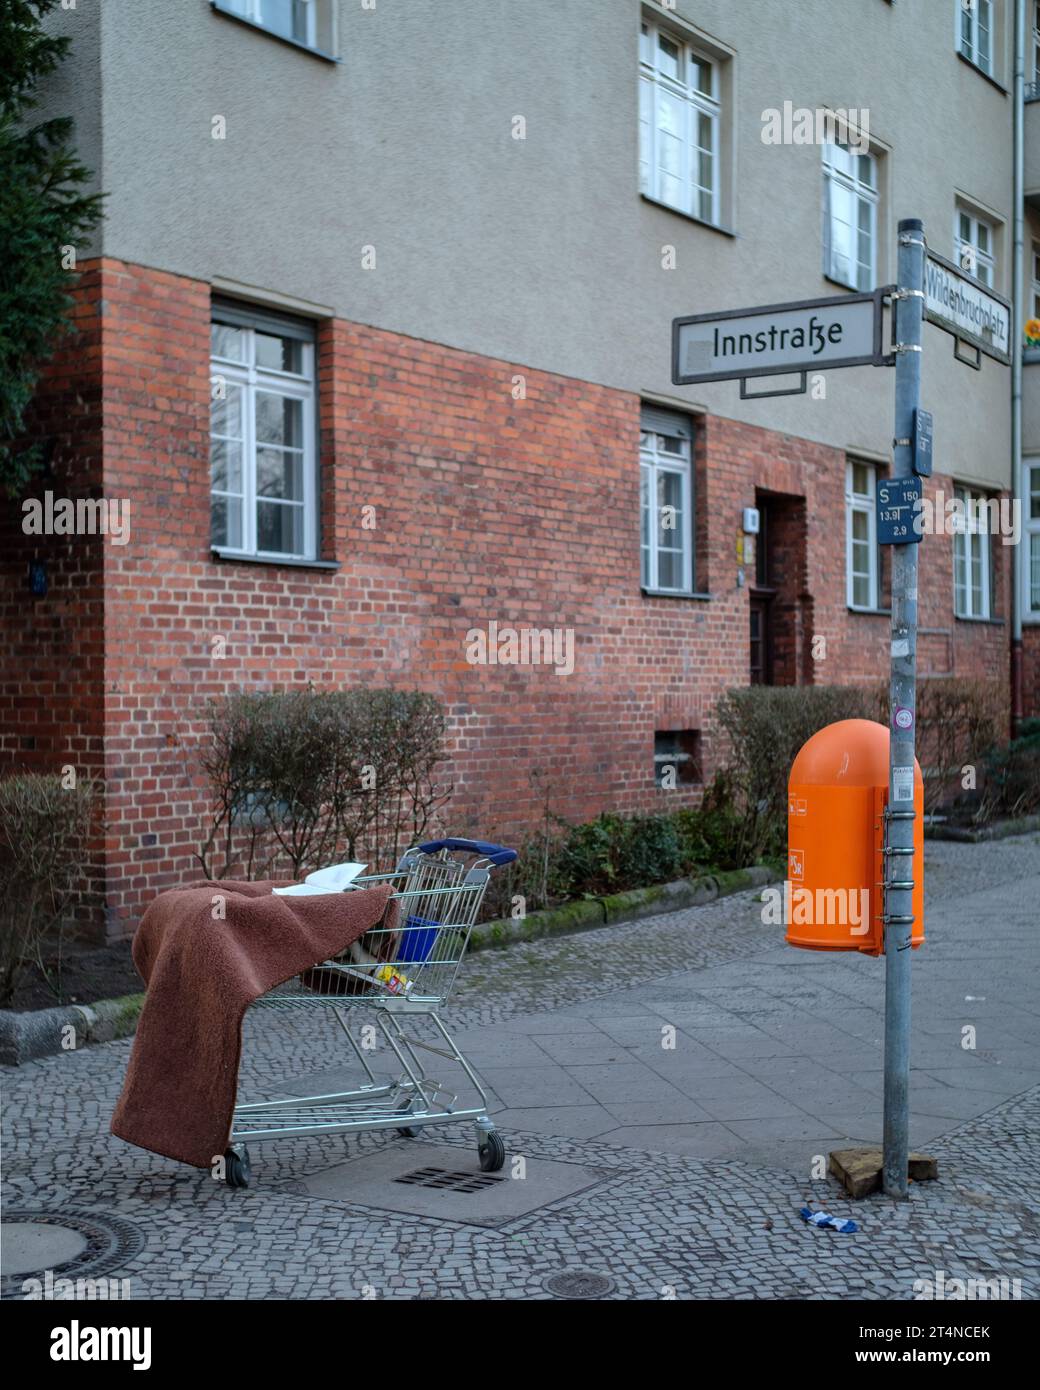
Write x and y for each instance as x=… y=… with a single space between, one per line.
x=487 y=508
x=1031 y=671
x=52 y=645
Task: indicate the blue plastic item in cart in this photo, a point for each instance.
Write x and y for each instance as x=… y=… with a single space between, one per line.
x=417 y=939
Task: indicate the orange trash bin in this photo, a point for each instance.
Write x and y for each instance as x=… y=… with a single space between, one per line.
x=836 y=798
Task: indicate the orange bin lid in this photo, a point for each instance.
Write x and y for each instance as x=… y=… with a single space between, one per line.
x=850 y=753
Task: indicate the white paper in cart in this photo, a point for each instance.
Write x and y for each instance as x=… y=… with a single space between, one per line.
x=337 y=878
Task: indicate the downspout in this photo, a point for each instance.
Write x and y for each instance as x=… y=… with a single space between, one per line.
x=1017 y=300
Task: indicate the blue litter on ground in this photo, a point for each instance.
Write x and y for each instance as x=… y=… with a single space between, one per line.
x=822 y=1218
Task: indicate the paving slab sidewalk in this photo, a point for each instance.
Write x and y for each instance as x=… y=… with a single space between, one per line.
x=691 y=1160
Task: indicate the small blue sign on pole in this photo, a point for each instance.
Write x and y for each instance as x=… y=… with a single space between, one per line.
x=923 y=428
x=898 y=501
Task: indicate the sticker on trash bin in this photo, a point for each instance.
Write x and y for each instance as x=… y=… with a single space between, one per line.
x=796 y=863
x=797 y=806
x=902 y=784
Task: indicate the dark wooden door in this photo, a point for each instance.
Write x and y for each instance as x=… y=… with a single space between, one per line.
x=761 y=643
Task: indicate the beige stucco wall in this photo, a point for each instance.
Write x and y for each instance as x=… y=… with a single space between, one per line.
x=541 y=251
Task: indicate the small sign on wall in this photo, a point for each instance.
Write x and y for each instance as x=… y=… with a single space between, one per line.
x=924 y=426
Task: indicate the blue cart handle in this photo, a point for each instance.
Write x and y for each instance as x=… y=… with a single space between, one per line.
x=498 y=854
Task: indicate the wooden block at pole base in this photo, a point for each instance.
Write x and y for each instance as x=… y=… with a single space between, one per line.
x=859 y=1170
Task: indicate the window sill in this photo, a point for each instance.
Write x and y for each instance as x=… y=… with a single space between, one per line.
x=870 y=612
x=672 y=593
x=979 y=622
x=319 y=53
x=982 y=72
x=689 y=216
x=233 y=557
x=843 y=286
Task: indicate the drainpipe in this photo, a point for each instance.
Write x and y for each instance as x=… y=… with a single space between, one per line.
x=1017 y=300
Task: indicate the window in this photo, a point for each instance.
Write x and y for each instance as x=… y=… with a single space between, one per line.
x=850 y=200
x=1035 y=77
x=677 y=758
x=976 y=32
x=263 y=455
x=1034 y=289
x=1032 y=565
x=861 y=548
x=973 y=245
x=678 y=124
x=307 y=22
x=971 y=557
x=665 y=448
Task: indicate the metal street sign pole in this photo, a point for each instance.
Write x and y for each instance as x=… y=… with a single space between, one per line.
x=899 y=837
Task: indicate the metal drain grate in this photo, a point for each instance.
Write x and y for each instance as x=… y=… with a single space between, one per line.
x=447 y=1180
x=578 y=1283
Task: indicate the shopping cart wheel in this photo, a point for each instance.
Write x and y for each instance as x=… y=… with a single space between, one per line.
x=407 y=1131
x=492 y=1152
x=237 y=1171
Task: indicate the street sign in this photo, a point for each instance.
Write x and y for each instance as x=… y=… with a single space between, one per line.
x=923 y=433
x=963 y=306
x=897 y=505
x=780 y=339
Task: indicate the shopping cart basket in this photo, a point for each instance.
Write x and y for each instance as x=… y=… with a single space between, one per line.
x=395 y=979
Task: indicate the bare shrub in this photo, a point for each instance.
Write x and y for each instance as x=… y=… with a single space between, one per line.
x=304 y=777
x=44 y=833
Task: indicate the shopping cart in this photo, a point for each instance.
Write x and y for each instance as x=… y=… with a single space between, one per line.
x=395 y=980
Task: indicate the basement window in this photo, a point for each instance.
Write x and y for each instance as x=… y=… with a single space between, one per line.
x=677 y=758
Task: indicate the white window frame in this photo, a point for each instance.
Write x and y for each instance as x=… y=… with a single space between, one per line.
x=1036 y=42
x=967 y=251
x=253 y=11
x=974 y=21
x=863 y=195
x=653 y=461
x=653 y=84
x=1031 y=539
x=302 y=387
x=1034 y=286
x=864 y=503
x=971 y=545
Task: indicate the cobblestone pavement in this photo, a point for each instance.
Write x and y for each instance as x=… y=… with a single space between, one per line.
x=665 y=1191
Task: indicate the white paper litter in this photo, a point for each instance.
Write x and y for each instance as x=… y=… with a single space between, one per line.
x=337 y=878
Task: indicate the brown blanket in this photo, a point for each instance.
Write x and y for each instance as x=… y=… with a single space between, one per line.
x=179 y=1092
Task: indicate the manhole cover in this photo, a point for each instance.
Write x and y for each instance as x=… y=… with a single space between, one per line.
x=579 y=1283
x=447 y=1180
x=48 y=1246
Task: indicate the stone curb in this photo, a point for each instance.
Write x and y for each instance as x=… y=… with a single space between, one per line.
x=1001 y=831
x=588 y=913
x=44 y=1032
